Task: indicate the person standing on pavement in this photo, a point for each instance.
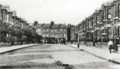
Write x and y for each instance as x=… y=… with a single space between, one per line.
x=116 y=44
x=94 y=42
x=110 y=45
x=78 y=45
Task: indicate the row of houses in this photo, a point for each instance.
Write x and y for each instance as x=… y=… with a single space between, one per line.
x=102 y=25
x=52 y=30
x=9 y=17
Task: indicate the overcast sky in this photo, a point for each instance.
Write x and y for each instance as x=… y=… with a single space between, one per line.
x=59 y=11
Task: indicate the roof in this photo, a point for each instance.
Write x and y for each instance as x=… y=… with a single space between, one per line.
x=63 y=26
x=52 y=26
x=38 y=26
x=55 y=26
x=46 y=26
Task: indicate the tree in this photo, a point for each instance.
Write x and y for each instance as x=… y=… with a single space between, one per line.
x=3 y=31
x=30 y=33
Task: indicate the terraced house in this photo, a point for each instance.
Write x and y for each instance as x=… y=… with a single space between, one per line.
x=52 y=30
x=103 y=24
x=10 y=18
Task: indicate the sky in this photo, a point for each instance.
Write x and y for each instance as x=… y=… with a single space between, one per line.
x=59 y=11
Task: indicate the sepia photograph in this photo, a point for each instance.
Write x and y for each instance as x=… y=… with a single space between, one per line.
x=59 y=34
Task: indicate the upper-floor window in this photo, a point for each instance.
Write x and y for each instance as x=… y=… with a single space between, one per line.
x=119 y=10
x=52 y=30
x=97 y=18
x=47 y=29
x=102 y=16
x=92 y=22
x=55 y=30
x=64 y=35
x=109 y=13
x=60 y=29
x=89 y=23
x=64 y=30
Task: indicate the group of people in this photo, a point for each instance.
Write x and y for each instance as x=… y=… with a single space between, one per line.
x=113 y=45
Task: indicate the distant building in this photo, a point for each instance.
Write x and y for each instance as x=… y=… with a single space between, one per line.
x=73 y=33
x=52 y=30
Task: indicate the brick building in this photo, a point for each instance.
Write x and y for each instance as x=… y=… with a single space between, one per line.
x=11 y=19
x=52 y=30
x=103 y=24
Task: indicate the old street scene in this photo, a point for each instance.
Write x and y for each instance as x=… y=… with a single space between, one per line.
x=59 y=34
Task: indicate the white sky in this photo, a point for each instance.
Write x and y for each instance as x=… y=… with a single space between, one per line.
x=59 y=11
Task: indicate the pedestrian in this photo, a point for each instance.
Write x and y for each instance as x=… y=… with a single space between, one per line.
x=110 y=45
x=116 y=44
x=94 y=42
x=78 y=45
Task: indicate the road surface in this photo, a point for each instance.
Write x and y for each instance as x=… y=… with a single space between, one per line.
x=52 y=56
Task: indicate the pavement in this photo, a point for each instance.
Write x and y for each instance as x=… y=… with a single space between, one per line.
x=99 y=52
x=12 y=48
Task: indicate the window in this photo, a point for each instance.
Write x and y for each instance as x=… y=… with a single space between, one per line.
x=97 y=34
x=65 y=30
x=52 y=30
x=52 y=35
x=97 y=18
x=7 y=18
x=64 y=35
x=109 y=32
x=0 y=14
x=90 y=23
x=119 y=10
x=119 y=31
x=102 y=16
x=109 y=13
x=60 y=29
x=55 y=30
x=47 y=29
